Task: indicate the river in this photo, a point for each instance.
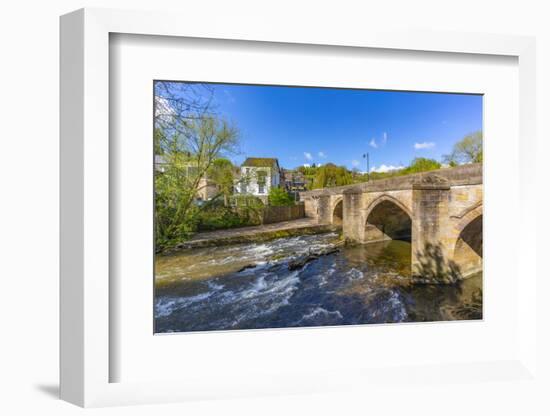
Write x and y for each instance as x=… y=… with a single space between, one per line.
x=249 y=286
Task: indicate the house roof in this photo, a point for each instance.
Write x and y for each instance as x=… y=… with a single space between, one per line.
x=260 y=162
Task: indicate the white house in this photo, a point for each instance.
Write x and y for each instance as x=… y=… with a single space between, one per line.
x=258 y=175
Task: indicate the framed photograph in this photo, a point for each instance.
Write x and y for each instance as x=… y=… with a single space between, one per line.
x=269 y=215
x=279 y=213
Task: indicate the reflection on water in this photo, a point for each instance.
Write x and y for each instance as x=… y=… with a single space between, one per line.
x=250 y=286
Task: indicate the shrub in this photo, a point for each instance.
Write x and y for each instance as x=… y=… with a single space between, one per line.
x=279 y=197
x=421 y=164
x=243 y=211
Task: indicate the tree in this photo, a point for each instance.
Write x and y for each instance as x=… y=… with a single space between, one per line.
x=221 y=172
x=421 y=164
x=467 y=150
x=330 y=175
x=279 y=197
x=178 y=103
x=190 y=138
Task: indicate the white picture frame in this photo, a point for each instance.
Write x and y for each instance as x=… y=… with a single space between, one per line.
x=86 y=356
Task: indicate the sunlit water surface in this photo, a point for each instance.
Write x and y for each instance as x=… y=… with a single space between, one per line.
x=210 y=288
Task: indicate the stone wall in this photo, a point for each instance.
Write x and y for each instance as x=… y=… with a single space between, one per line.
x=273 y=214
x=310 y=205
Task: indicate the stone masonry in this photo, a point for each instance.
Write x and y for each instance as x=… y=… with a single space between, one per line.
x=439 y=211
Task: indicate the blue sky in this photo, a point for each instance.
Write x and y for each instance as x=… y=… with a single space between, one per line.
x=319 y=125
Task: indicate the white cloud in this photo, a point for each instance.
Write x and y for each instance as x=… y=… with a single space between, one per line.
x=307 y=165
x=308 y=156
x=385 y=168
x=322 y=155
x=381 y=142
x=355 y=163
x=424 y=145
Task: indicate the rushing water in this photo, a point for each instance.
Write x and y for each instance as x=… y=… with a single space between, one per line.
x=248 y=286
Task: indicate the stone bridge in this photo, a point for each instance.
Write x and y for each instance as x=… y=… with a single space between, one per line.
x=439 y=212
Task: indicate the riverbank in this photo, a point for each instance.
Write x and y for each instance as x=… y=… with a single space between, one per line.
x=254 y=234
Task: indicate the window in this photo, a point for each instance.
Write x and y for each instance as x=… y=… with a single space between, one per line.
x=261 y=181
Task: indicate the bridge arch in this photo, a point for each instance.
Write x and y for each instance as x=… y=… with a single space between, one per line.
x=387 y=218
x=468 y=249
x=338 y=211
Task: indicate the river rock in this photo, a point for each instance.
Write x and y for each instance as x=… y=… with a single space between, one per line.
x=303 y=260
x=246 y=267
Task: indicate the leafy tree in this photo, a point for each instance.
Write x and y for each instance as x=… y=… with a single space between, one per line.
x=279 y=197
x=421 y=164
x=467 y=150
x=171 y=222
x=189 y=145
x=221 y=172
x=308 y=173
x=330 y=175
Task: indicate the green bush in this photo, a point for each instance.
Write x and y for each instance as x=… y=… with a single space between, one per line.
x=421 y=164
x=169 y=234
x=241 y=213
x=251 y=201
x=279 y=197
x=330 y=175
x=219 y=218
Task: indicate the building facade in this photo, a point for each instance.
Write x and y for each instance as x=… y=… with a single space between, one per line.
x=257 y=176
x=294 y=180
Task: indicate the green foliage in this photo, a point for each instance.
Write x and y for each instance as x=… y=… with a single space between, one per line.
x=467 y=150
x=222 y=173
x=330 y=175
x=175 y=217
x=279 y=197
x=248 y=207
x=244 y=200
x=158 y=138
x=219 y=216
x=188 y=158
x=421 y=164
x=307 y=170
x=309 y=175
